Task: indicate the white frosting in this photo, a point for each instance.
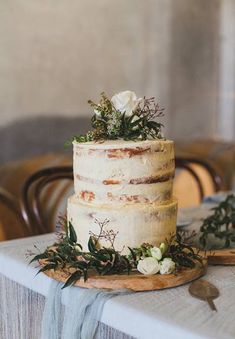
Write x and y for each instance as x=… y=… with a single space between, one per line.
x=133 y=224
x=124 y=194
x=109 y=171
x=128 y=183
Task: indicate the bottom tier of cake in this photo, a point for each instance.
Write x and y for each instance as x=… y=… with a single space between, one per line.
x=130 y=225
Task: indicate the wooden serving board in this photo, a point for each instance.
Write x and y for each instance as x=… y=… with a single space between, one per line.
x=134 y=281
x=220 y=257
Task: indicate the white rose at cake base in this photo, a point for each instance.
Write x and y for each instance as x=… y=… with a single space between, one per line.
x=126 y=102
x=148 y=266
x=154 y=263
x=167 y=266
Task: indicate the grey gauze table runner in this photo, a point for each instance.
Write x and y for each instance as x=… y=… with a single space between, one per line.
x=21 y=311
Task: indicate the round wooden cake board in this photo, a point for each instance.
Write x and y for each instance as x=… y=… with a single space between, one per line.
x=134 y=281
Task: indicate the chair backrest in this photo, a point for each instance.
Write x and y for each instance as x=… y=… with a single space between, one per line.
x=196 y=178
x=10 y=204
x=39 y=213
x=38 y=210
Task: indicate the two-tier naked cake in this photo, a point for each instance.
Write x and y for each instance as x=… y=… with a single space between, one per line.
x=121 y=219
x=123 y=176
x=128 y=183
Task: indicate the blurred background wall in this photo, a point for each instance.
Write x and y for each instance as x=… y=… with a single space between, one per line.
x=54 y=55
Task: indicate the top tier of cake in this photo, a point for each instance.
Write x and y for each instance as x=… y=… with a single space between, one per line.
x=124 y=172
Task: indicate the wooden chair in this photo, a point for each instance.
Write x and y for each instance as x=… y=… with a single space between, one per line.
x=35 y=209
x=9 y=203
x=220 y=154
x=197 y=178
x=39 y=217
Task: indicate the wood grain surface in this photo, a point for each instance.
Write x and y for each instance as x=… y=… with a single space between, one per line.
x=135 y=281
x=221 y=257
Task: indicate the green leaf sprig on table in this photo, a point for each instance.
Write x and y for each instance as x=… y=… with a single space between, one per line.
x=109 y=123
x=221 y=224
x=67 y=254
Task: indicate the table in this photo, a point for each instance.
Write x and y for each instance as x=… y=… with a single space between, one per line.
x=171 y=313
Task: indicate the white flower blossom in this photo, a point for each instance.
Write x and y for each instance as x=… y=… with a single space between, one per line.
x=125 y=102
x=167 y=266
x=148 y=266
x=97 y=112
x=156 y=253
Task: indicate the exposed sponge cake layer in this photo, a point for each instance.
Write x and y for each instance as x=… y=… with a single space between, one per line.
x=95 y=193
x=124 y=172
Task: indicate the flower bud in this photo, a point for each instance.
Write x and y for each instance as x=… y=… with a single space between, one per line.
x=163 y=247
x=156 y=253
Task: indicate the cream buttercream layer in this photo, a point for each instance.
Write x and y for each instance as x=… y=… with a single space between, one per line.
x=158 y=193
x=132 y=224
x=124 y=171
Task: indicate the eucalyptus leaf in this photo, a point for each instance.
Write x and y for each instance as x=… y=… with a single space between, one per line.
x=38 y=257
x=91 y=245
x=72 y=233
x=47 y=267
x=221 y=223
x=72 y=279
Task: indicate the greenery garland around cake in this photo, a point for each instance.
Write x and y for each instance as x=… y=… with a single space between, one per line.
x=170 y=257
x=124 y=116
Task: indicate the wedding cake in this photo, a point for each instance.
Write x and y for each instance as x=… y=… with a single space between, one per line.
x=123 y=188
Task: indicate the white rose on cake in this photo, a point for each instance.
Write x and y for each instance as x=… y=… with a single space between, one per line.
x=167 y=266
x=126 y=101
x=148 y=266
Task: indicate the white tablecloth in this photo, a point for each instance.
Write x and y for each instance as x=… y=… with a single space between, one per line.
x=171 y=313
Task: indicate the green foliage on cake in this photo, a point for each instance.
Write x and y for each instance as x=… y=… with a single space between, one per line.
x=67 y=254
x=124 y=116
